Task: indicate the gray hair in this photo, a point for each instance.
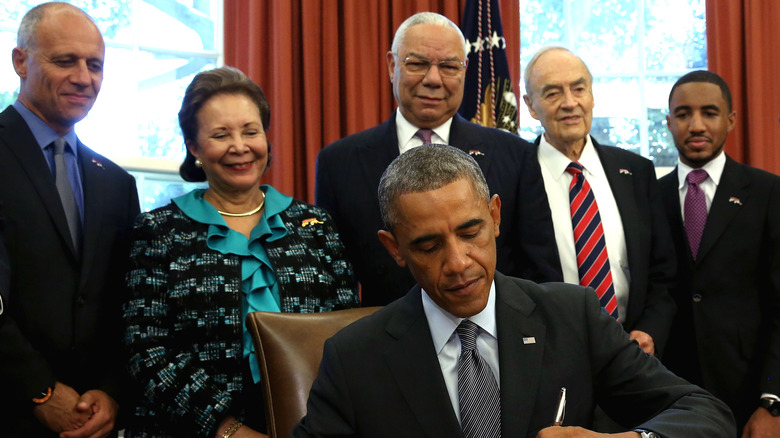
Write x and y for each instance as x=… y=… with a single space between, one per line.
x=423 y=169
x=25 y=37
x=425 y=18
x=542 y=51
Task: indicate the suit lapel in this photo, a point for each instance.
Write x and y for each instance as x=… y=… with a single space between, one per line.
x=521 y=340
x=621 y=181
x=670 y=194
x=20 y=141
x=471 y=143
x=94 y=183
x=416 y=369
x=378 y=152
x=731 y=194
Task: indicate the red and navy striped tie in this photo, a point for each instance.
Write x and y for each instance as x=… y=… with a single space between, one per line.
x=592 y=259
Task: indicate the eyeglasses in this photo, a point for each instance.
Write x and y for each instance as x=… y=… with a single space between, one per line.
x=421 y=66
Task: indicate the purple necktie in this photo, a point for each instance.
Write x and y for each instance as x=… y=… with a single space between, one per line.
x=695 y=209
x=424 y=134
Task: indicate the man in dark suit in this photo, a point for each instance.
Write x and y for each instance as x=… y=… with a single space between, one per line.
x=427 y=70
x=5 y=277
x=725 y=220
x=60 y=364
x=407 y=369
x=639 y=253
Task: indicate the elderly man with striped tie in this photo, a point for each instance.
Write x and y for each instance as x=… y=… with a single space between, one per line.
x=607 y=214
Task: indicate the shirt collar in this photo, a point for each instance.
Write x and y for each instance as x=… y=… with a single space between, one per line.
x=42 y=132
x=406 y=130
x=714 y=169
x=443 y=324
x=556 y=162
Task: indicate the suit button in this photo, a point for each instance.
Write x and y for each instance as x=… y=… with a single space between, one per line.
x=80 y=300
x=696 y=298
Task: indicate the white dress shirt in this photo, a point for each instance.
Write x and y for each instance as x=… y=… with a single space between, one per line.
x=442 y=325
x=556 y=184
x=709 y=186
x=407 y=140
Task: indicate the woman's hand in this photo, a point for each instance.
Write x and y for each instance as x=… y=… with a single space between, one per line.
x=242 y=432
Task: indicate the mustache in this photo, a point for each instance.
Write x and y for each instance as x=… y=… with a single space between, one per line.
x=697 y=138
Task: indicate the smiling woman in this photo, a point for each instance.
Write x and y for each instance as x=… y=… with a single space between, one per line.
x=200 y=264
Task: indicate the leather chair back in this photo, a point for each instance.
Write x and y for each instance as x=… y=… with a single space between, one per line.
x=289 y=350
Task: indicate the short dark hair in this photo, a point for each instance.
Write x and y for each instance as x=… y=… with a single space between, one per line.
x=204 y=86
x=704 y=76
x=423 y=169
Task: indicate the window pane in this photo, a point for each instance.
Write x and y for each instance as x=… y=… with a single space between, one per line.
x=636 y=50
x=616 y=114
x=675 y=35
x=661 y=144
x=136 y=113
x=157 y=189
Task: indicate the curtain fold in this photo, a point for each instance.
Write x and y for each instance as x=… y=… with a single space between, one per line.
x=321 y=64
x=743 y=43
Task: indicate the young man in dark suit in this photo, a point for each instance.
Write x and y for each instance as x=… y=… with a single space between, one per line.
x=67 y=214
x=725 y=220
x=427 y=65
x=412 y=368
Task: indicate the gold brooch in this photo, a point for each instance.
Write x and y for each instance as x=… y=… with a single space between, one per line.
x=311 y=221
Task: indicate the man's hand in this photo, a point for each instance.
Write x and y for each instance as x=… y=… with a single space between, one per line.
x=60 y=413
x=102 y=410
x=645 y=341
x=762 y=425
x=578 y=432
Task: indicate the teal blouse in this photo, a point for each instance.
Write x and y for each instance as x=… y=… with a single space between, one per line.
x=259 y=286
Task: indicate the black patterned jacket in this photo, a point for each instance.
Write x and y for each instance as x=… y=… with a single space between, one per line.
x=184 y=323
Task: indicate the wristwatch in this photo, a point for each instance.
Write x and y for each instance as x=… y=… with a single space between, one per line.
x=771 y=405
x=648 y=434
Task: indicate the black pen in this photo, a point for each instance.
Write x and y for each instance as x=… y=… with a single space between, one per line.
x=561 y=411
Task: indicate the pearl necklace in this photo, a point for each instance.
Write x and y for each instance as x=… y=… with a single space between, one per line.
x=248 y=213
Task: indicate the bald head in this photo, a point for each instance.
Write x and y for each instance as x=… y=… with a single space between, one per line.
x=559 y=94
x=59 y=61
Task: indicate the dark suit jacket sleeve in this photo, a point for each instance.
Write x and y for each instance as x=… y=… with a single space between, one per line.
x=637 y=391
x=659 y=309
x=770 y=379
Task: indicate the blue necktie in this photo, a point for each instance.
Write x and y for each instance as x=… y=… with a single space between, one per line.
x=66 y=192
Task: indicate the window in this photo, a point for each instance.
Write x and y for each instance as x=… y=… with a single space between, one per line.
x=635 y=49
x=153 y=49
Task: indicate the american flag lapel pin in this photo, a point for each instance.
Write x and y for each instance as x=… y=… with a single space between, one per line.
x=529 y=340
x=735 y=200
x=98 y=164
x=476 y=153
x=311 y=221
x=625 y=172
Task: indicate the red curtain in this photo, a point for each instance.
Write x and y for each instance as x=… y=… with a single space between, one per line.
x=322 y=66
x=743 y=46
